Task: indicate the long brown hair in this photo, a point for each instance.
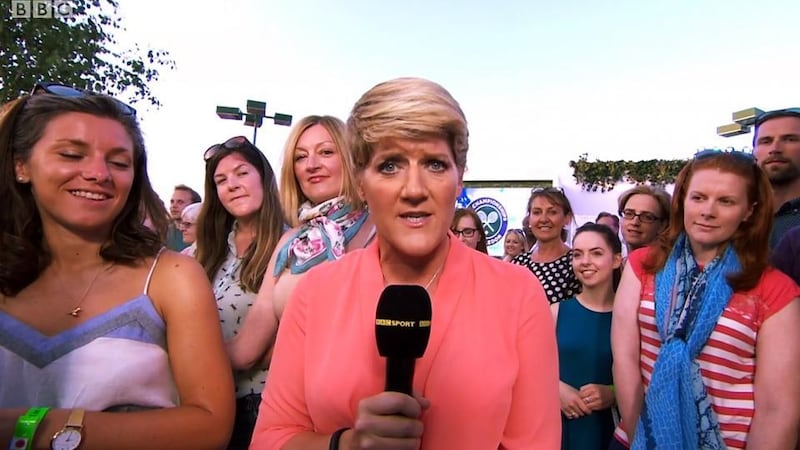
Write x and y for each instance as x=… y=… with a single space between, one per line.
x=24 y=253
x=750 y=241
x=466 y=212
x=215 y=222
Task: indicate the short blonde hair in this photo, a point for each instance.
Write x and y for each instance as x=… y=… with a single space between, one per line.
x=290 y=193
x=191 y=212
x=407 y=108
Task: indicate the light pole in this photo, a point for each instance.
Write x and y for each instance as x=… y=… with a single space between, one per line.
x=254 y=117
x=742 y=121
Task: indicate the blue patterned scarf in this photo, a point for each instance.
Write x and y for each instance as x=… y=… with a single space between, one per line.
x=325 y=230
x=677 y=412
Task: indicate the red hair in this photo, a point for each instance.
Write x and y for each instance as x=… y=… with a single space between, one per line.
x=750 y=240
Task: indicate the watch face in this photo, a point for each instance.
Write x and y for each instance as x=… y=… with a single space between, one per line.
x=68 y=439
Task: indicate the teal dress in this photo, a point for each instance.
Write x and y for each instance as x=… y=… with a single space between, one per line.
x=584 y=354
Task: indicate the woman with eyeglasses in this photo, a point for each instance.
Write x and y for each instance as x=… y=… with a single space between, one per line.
x=96 y=350
x=467 y=226
x=514 y=244
x=583 y=333
x=328 y=219
x=549 y=214
x=704 y=330
x=239 y=226
x=188 y=227
x=327 y=380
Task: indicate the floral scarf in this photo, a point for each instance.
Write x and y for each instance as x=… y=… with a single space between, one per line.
x=677 y=412
x=324 y=231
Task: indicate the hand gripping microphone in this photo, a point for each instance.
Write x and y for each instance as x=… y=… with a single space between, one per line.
x=402 y=329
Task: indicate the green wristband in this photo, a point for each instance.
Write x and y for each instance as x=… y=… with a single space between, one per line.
x=26 y=428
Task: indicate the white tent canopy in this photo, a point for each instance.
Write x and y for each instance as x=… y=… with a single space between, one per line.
x=588 y=204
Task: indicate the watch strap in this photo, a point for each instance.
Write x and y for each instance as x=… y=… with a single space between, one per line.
x=333 y=444
x=26 y=428
x=75 y=419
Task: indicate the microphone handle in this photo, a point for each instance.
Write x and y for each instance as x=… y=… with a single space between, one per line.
x=400 y=375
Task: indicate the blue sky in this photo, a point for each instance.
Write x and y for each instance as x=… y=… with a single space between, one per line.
x=541 y=82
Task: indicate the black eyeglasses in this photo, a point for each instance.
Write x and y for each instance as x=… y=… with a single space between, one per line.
x=467 y=232
x=234 y=143
x=644 y=216
x=63 y=90
x=788 y=112
x=742 y=156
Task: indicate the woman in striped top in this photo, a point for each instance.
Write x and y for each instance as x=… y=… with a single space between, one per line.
x=694 y=309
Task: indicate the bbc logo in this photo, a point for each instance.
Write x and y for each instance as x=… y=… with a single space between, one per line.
x=41 y=9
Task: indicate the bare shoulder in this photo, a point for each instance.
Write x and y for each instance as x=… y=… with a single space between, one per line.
x=174 y=263
x=176 y=279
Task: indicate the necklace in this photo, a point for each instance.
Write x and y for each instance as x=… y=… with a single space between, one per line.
x=76 y=311
x=435 y=274
x=428 y=284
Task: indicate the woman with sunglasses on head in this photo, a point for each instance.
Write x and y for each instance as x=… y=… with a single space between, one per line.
x=468 y=227
x=327 y=381
x=514 y=244
x=318 y=194
x=549 y=213
x=239 y=226
x=583 y=332
x=693 y=311
x=93 y=309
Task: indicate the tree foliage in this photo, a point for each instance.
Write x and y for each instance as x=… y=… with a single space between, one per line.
x=80 y=50
x=604 y=175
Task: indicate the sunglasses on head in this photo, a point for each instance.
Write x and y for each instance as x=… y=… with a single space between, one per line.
x=63 y=90
x=549 y=189
x=742 y=156
x=234 y=143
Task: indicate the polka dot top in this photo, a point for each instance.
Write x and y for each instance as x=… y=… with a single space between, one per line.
x=557 y=277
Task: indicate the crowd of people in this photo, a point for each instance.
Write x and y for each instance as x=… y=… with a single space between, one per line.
x=245 y=317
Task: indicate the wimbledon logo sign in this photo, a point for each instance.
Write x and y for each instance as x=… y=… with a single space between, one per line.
x=493 y=216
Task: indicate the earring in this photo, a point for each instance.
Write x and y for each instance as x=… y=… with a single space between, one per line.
x=20 y=179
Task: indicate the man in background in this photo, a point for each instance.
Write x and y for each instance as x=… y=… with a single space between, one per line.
x=776 y=146
x=182 y=197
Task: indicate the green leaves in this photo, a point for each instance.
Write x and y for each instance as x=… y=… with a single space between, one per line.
x=80 y=50
x=604 y=175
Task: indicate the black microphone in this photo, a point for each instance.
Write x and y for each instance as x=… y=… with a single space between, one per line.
x=402 y=329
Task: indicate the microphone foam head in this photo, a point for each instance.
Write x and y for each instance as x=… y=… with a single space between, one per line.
x=403 y=321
